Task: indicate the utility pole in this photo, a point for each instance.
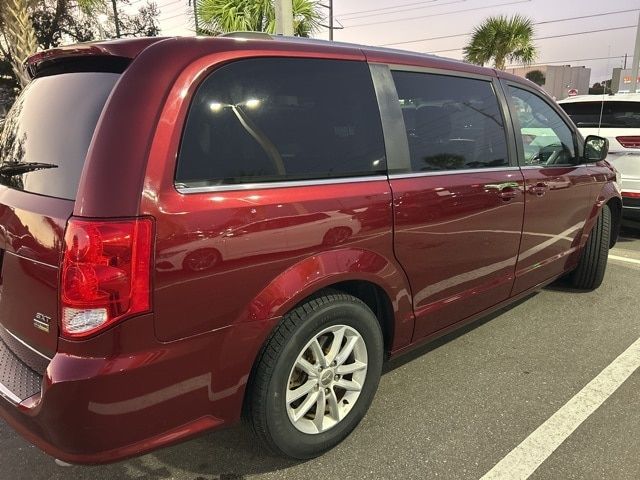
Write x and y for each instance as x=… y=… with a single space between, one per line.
x=195 y=15
x=636 y=60
x=116 y=20
x=284 y=17
x=330 y=19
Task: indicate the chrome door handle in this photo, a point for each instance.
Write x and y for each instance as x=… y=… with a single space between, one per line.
x=539 y=189
x=501 y=186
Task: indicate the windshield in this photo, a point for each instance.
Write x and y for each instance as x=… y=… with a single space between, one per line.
x=616 y=114
x=52 y=123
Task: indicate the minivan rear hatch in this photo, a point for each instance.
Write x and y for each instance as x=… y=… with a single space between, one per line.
x=43 y=145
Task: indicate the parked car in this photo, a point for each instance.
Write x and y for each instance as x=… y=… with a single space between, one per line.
x=464 y=189
x=617 y=118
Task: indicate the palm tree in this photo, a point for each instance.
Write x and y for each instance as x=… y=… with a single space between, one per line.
x=501 y=38
x=221 y=16
x=19 y=39
x=18 y=33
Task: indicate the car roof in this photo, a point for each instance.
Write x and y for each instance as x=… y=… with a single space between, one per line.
x=618 y=97
x=130 y=48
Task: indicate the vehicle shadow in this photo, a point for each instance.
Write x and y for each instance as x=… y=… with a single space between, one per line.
x=230 y=454
x=391 y=365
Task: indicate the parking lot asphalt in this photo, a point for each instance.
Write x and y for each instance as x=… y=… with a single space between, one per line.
x=451 y=410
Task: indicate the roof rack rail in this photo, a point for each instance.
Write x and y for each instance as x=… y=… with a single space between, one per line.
x=248 y=35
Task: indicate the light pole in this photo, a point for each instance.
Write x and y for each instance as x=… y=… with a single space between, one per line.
x=636 y=60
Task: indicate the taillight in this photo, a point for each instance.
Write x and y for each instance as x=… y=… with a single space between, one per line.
x=631 y=194
x=629 y=142
x=105 y=273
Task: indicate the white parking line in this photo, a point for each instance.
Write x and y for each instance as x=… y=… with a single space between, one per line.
x=624 y=259
x=523 y=460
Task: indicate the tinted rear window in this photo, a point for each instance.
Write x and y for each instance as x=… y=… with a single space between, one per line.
x=614 y=114
x=277 y=119
x=52 y=122
x=452 y=123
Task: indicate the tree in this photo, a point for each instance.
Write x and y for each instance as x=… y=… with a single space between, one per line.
x=221 y=16
x=29 y=25
x=500 y=39
x=537 y=77
x=18 y=34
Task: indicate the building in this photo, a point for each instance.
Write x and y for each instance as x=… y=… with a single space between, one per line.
x=621 y=81
x=559 y=79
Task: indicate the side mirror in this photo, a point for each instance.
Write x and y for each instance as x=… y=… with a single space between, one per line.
x=595 y=148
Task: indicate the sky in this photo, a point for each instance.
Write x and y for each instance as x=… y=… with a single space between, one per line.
x=400 y=23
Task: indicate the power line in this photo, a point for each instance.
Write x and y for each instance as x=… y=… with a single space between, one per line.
x=566 y=61
x=550 y=36
x=544 y=22
x=402 y=10
x=437 y=14
x=387 y=8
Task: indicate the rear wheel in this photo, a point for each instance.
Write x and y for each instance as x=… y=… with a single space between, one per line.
x=593 y=263
x=316 y=376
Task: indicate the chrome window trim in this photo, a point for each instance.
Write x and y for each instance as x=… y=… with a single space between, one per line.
x=399 y=67
x=279 y=184
x=540 y=167
x=396 y=176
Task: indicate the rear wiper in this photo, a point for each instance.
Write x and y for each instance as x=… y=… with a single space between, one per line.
x=16 y=168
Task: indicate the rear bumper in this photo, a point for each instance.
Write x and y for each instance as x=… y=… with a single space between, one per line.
x=102 y=409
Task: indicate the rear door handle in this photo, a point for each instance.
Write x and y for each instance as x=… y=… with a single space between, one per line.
x=506 y=190
x=539 y=189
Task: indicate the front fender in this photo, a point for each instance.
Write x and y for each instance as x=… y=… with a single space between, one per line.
x=328 y=268
x=607 y=192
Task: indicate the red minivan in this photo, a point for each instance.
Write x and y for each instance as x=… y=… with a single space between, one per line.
x=194 y=230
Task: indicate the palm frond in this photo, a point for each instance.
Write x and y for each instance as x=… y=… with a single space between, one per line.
x=500 y=39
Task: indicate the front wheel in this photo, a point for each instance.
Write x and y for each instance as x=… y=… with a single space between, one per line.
x=316 y=376
x=593 y=262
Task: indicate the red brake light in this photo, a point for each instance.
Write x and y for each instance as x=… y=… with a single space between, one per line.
x=105 y=273
x=629 y=142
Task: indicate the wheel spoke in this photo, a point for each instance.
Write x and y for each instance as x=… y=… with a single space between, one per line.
x=349 y=385
x=321 y=405
x=334 y=407
x=307 y=367
x=301 y=391
x=305 y=406
x=350 y=368
x=338 y=336
x=346 y=351
x=318 y=354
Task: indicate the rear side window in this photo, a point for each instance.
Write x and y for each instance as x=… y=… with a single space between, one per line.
x=52 y=123
x=452 y=123
x=614 y=114
x=274 y=119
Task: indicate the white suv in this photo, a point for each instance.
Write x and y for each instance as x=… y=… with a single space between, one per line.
x=616 y=117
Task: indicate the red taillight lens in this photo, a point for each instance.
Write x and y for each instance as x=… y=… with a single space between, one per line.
x=631 y=194
x=105 y=273
x=629 y=142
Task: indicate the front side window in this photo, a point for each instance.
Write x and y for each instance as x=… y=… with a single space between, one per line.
x=546 y=139
x=452 y=123
x=274 y=119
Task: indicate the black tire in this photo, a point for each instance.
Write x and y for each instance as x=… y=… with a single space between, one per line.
x=266 y=406
x=593 y=263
